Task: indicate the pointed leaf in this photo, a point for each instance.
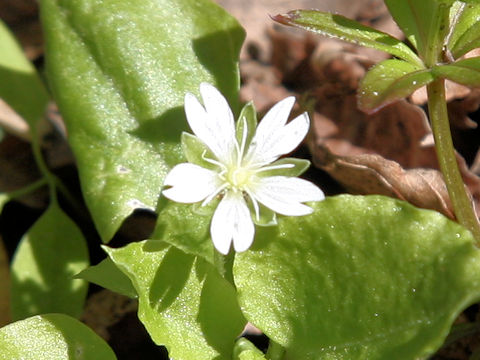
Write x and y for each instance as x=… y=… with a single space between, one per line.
x=361 y=278
x=389 y=81
x=178 y=294
x=119 y=71
x=465 y=72
x=20 y=87
x=47 y=258
x=52 y=337
x=349 y=30
x=109 y=276
x=424 y=23
x=465 y=35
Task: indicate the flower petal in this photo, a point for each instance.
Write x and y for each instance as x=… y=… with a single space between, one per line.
x=214 y=124
x=190 y=183
x=284 y=195
x=232 y=221
x=279 y=142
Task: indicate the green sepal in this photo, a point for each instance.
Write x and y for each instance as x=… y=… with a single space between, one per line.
x=108 y=275
x=389 y=81
x=465 y=34
x=248 y=118
x=299 y=166
x=349 y=30
x=267 y=217
x=465 y=72
x=196 y=151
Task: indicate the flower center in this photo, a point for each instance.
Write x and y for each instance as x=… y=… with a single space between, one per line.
x=239 y=178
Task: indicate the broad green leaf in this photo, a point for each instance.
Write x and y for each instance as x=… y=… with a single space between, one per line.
x=52 y=337
x=465 y=72
x=119 y=71
x=109 y=276
x=389 y=81
x=245 y=350
x=424 y=23
x=183 y=302
x=20 y=86
x=349 y=30
x=48 y=256
x=465 y=33
x=363 y=277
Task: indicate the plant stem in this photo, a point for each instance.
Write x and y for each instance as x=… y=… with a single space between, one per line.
x=275 y=351
x=462 y=204
x=27 y=189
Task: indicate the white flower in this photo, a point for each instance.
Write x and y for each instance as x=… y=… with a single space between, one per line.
x=241 y=167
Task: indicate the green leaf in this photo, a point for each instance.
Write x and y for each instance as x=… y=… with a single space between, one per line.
x=465 y=33
x=4 y=198
x=183 y=302
x=348 y=30
x=389 y=81
x=245 y=350
x=119 y=71
x=424 y=23
x=363 y=277
x=52 y=337
x=465 y=72
x=20 y=87
x=48 y=256
x=109 y=276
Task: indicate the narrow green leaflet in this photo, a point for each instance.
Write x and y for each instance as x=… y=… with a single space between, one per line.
x=20 y=86
x=465 y=72
x=177 y=295
x=465 y=33
x=361 y=278
x=425 y=24
x=48 y=256
x=389 y=81
x=349 y=30
x=52 y=337
x=119 y=71
x=108 y=275
x=5 y=288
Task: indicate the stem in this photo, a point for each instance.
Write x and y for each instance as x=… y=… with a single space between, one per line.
x=27 y=189
x=462 y=204
x=275 y=351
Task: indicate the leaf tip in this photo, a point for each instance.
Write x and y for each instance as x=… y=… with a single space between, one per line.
x=285 y=19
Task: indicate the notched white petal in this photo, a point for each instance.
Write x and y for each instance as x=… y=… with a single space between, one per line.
x=232 y=222
x=282 y=141
x=285 y=195
x=190 y=183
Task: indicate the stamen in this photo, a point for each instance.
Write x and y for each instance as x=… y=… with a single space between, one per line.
x=275 y=167
x=254 y=203
x=215 y=193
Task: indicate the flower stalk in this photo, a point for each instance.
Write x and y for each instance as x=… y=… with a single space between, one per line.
x=462 y=204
